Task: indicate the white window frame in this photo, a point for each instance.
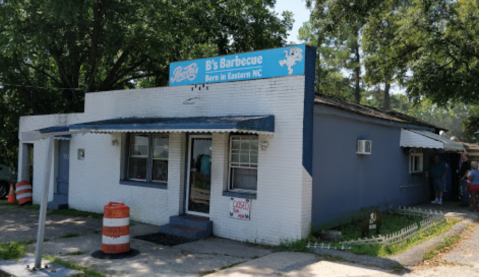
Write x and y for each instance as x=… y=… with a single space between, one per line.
x=130 y=149
x=412 y=161
x=158 y=159
x=249 y=165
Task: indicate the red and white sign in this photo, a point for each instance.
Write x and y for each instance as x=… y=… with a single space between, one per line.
x=239 y=208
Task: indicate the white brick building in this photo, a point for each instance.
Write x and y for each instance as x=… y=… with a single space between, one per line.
x=160 y=168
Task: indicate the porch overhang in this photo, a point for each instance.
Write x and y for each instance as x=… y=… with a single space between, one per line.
x=261 y=124
x=425 y=139
x=57 y=132
x=61 y=132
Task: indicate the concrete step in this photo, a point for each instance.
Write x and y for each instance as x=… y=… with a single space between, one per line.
x=198 y=222
x=184 y=231
x=59 y=202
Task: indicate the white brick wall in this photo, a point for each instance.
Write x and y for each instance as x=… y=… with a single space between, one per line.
x=283 y=205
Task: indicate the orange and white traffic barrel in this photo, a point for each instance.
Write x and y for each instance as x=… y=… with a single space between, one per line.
x=24 y=192
x=116 y=229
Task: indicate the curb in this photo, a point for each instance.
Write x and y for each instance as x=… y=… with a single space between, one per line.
x=411 y=257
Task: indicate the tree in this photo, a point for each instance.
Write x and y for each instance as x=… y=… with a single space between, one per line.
x=384 y=63
x=442 y=37
x=329 y=77
x=453 y=118
x=342 y=21
x=53 y=52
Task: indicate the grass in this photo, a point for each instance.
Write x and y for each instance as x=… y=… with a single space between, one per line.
x=5 y=203
x=12 y=250
x=397 y=268
x=75 y=213
x=294 y=246
x=67 y=236
x=229 y=266
x=76 y=253
x=211 y=271
x=86 y=272
x=15 y=250
x=206 y=272
x=33 y=207
x=390 y=223
x=333 y=258
x=391 y=250
x=32 y=241
x=448 y=242
x=65 y=212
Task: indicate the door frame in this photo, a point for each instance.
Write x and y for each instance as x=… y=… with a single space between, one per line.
x=188 y=174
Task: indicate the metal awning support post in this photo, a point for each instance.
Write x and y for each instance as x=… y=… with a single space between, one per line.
x=37 y=135
x=44 y=203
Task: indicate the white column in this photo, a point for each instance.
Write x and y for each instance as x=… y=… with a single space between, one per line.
x=23 y=173
x=176 y=173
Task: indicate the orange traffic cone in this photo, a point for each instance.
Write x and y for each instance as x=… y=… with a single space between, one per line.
x=11 y=195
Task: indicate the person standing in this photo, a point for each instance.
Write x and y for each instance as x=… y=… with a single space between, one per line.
x=465 y=168
x=473 y=184
x=438 y=171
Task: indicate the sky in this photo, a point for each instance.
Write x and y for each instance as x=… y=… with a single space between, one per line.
x=301 y=15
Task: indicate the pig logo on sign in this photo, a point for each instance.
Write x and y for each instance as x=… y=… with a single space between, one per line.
x=293 y=56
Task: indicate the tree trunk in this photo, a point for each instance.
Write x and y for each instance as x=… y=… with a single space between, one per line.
x=386 y=98
x=357 y=76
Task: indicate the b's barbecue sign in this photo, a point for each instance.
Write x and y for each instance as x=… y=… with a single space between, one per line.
x=271 y=63
x=239 y=208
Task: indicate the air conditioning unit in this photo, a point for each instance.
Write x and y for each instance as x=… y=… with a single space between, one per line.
x=364 y=147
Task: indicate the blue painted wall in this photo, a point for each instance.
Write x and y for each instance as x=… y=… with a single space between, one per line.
x=344 y=182
x=310 y=71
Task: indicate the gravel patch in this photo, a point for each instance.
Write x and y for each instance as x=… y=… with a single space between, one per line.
x=385 y=263
x=415 y=255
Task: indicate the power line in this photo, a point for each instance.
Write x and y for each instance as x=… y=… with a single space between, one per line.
x=23 y=86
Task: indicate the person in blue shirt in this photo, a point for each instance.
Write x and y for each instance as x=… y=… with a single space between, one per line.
x=205 y=161
x=463 y=172
x=438 y=172
x=473 y=184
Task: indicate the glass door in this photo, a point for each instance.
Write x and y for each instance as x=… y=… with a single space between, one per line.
x=199 y=175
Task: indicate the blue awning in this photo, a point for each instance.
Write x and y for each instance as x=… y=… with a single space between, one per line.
x=56 y=130
x=245 y=124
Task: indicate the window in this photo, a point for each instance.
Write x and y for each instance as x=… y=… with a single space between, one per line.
x=148 y=158
x=415 y=162
x=243 y=166
x=159 y=166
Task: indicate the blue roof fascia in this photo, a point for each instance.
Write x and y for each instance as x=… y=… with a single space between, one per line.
x=64 y=136
x=265 y=124
x=56 y=129
x=255 y=123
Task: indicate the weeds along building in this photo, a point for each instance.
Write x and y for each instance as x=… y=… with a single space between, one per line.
x=238 y=141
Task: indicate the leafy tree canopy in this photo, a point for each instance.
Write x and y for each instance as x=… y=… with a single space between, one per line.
x=54 y=51
x=440 y=40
